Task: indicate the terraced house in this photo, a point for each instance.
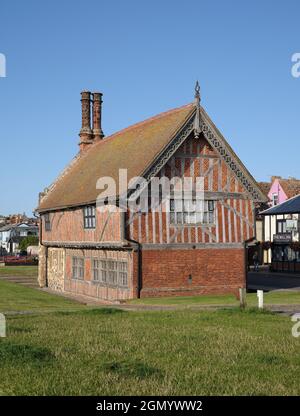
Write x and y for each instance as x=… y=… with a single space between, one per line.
x=156 y=252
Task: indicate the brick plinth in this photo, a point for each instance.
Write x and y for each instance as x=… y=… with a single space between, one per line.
x=193 y=271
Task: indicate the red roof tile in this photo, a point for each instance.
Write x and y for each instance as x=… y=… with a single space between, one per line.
x=133 y=148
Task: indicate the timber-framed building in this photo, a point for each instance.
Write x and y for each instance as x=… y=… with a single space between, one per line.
x=121 y=255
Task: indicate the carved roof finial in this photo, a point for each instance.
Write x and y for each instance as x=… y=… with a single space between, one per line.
x=197 y=93
x=197 y=122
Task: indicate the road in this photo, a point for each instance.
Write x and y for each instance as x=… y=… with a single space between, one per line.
x=272 y=281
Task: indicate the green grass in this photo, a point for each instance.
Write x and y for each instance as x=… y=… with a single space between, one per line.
x=110 y=352
x=30 y=271
x=76 y=350
x=15 y=297
x=276 y=298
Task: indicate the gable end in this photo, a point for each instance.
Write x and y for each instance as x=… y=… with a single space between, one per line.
x=218 y=142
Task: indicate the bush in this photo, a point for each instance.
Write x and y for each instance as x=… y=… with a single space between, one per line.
x=30 y=240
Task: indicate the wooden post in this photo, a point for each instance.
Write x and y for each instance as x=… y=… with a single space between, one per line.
x=242 y=292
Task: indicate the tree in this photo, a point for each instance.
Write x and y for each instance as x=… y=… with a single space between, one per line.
x=30 y=240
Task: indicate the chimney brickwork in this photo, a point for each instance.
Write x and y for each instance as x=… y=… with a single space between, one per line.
x=89 y=134
x=86 y=134
x=97 y=109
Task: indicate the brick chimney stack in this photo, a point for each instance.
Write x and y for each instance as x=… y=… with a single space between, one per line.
x=97 y=109
x=86 y=134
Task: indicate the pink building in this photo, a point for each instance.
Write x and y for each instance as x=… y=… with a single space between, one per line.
x=281 y=226
x=283 y=189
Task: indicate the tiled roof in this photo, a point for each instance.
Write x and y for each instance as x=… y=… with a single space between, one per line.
x=265 y=187
x=290 y=186
x=134 y=148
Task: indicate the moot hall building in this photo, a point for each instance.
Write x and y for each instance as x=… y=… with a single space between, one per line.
x=155 y=252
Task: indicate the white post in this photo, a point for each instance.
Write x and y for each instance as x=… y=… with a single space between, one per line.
x=2 y=326
x=260 y=295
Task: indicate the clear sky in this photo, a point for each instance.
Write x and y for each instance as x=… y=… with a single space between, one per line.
x=145 y=57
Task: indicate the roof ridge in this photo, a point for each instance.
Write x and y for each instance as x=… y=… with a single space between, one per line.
x=289 y=179
x=143 y=122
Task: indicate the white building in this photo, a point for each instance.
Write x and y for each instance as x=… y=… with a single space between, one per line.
x=282 y=229
x=11 y=235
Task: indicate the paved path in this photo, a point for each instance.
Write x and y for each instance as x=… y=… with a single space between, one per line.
x=267 y=281
x=282 y=309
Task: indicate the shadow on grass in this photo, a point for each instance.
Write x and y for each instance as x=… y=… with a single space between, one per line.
x=247 y=311
x=94 y=311
x=270 y=359
x=16 y=329
x=134 y=369
x=24 y=354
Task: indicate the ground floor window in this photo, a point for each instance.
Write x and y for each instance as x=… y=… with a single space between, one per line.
x=284 y=253
x=110 y=271
x=77 y=268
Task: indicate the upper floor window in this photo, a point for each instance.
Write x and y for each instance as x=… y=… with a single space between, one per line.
x=47 y=222
x=89 y=216
x=189 y=211
x=274 y=199
x=281 y=226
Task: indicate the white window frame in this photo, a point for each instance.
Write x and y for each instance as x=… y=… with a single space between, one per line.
x=110 y=271
x=183 y=213
x=78 y=268
x=275 y=199
x=89 y=217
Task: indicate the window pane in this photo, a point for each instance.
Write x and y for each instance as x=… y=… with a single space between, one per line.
x=179 y=218
x=178 y=205
x=192 y=217
x=89 y=217
x=210 y=205
x=185 y=218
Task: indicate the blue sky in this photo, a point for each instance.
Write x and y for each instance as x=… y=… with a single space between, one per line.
x=145 y=57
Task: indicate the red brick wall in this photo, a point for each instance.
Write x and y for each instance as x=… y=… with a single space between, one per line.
x=166 y=272
x=68 y=226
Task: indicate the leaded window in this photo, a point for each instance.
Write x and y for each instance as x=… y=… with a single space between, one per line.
x=190 y=211
x=78 y=268
x=89 y=217
x=110 y=271
x=47 y=222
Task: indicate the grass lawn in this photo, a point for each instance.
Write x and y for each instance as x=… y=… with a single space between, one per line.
x=30 y=271
x=15 y=297
x=112 y=352
x=274 y=298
